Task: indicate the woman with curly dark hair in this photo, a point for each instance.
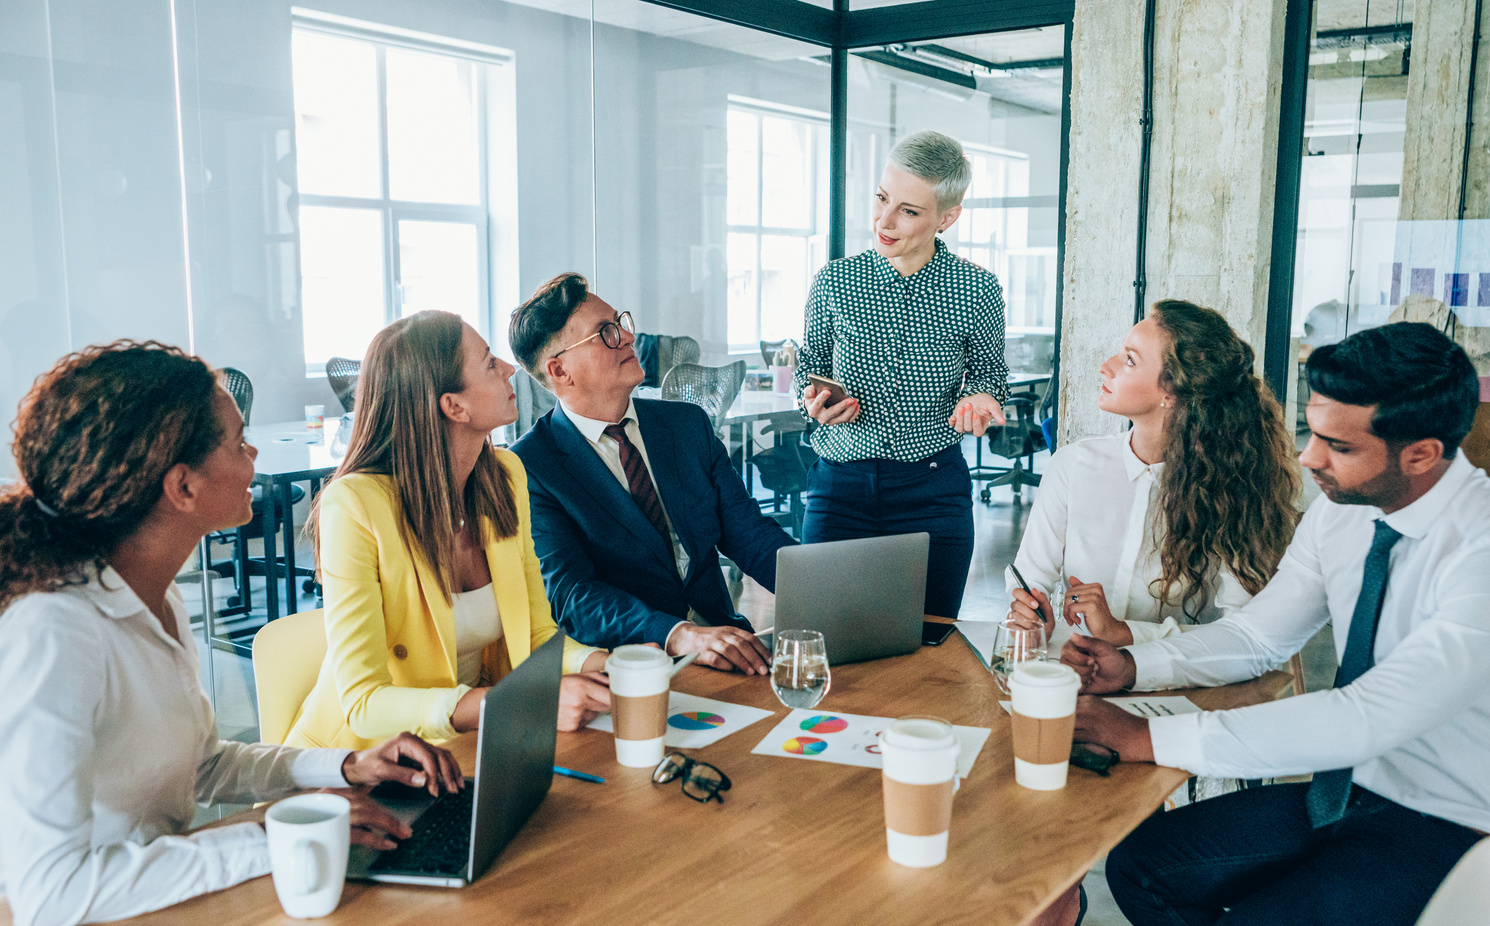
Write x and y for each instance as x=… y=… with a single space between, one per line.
x=129 y=455
x=1186 y=516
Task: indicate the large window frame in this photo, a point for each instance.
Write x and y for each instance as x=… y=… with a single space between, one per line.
x=394 y=211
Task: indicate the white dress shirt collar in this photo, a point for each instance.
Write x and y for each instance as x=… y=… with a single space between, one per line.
x=592 y=429
x=1135 y=467
x=107 y=591
x=1416 y=519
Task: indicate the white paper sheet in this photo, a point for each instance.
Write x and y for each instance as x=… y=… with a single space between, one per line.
x=850 y=739
x=982 y=636
x=1145 y=706
x=694 y=722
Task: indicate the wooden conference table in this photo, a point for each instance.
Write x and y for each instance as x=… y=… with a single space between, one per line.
x=793 y=840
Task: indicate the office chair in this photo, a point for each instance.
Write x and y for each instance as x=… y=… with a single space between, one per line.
x=287 y=658
x=1464 y=895
x=769 y=349
x=1017 y=440
x=685 y=350
x=783 y=470
x=713 y=389
x=342 y=374
x=241 y=388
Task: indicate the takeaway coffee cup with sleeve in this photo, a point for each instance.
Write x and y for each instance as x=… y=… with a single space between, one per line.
x=1044 y=718
x=638 y=696
x=919 y=775
x=309 y=835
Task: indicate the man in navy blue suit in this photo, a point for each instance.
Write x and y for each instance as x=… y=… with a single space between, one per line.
x=632 y=500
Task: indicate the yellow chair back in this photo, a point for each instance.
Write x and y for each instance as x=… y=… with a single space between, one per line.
x=287 y=657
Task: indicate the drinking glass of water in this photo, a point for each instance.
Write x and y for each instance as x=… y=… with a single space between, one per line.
x=799 y=668
x=1012 y=646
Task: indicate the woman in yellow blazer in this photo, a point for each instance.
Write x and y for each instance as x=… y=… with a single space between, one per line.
x=423 y=528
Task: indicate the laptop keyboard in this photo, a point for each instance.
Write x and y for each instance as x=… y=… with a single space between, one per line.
x=441 y=843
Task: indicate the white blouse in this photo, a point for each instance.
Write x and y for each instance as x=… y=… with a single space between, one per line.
x=478 y=624
x=1095 y=518
x=110 y=742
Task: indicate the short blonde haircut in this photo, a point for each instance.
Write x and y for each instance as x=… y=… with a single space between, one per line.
x=940 y=161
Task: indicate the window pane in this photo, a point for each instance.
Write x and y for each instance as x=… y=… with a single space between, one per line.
x=783 y=286
x=786 y=189
x=744 y=167
x=439 y=268
x=743 y=290
x=341 y=280
x=336 y=115
x=432 y=144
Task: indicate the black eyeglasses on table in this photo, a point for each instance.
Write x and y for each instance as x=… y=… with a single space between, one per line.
x=700 y=780
x=609 y=333
x=1094 y=757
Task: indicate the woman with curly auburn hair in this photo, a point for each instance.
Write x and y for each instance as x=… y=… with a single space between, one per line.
x=1186 y=516
x=1176 y=523
x=130 y=454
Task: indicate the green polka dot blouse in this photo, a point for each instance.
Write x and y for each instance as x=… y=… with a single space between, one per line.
x=908 y=348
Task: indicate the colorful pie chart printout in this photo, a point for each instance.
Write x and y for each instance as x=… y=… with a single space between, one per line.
x=804 y=746
x=695 y=720
x=849 y=739
x=824 y=723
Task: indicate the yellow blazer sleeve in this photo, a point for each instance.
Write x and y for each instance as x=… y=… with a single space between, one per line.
x=540 y=614
x=360 y=546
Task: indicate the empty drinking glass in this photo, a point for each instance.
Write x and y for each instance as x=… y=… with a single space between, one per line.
x=799 y=668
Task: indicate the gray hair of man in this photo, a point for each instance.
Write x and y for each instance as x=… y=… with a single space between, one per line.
x=940 y=161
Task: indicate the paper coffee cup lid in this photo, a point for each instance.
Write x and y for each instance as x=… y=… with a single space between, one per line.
x=1044 y=675
x=919 y=733
x=636 y=656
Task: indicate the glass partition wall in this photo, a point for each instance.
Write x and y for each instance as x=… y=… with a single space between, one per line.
x=267 y=184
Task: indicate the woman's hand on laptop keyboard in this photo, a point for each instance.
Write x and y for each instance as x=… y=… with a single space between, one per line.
x=408 y=760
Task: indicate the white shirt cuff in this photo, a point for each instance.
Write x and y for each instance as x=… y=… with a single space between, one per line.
x=1149 y=631
x=239 y=851
x=666 y=643
x=319 y=768
x=1176 y=741
x=1152 y=668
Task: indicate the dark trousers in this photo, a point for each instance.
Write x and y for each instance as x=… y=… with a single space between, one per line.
x=878 y=498
x=1251 y=857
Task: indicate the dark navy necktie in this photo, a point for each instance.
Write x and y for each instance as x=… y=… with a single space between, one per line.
x=1330 y=791
x=643 y=490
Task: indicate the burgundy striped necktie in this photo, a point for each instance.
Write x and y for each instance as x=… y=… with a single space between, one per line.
x=643 y=491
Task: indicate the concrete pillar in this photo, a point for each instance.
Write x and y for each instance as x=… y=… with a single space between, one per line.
x=1433 y=169
x=1217 y=78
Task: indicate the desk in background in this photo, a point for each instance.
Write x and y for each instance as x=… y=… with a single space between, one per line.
x=793 y=840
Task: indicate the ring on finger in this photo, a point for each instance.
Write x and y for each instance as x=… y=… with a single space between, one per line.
x=1075 y=597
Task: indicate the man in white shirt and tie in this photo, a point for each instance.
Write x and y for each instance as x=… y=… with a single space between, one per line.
x=1397 y=554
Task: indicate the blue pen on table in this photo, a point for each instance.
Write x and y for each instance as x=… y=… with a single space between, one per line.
x=582 y=776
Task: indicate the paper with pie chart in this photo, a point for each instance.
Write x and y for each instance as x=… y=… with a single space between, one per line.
x=694 y=722
x=850 y=739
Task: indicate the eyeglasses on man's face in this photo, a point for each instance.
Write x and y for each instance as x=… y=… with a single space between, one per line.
x=701 y=781
x=609 y=333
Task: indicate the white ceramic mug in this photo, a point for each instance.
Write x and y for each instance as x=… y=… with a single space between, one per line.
x=638 y=696
x=919 y=777
x=1044 y=720
x=309 y=835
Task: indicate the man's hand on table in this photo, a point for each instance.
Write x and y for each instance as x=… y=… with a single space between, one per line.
x=583 y=696
x=726 y=648
x=1109 y=725
x=1103 y=667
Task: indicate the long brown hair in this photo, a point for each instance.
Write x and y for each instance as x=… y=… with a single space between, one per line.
x=1229 y=481
x=93 y=441
x=400 y=432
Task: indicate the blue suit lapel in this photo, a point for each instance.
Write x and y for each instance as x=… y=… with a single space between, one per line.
x=594 y=479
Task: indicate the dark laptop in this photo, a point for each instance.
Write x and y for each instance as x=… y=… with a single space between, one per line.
x=457 y=836
x=867 y=597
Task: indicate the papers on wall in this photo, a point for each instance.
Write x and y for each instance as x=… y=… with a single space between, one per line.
x=694 y=722
x=1145 y=706
x=850 y=739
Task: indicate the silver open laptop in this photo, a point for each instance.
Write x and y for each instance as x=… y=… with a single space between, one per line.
x=866 y=597
x=458 y=836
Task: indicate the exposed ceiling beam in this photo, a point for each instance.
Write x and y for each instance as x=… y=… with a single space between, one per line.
x=939 y=19
x=793 y=19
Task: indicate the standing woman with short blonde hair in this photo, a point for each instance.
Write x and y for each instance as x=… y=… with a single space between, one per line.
x=425 y=547
x=916 y=336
